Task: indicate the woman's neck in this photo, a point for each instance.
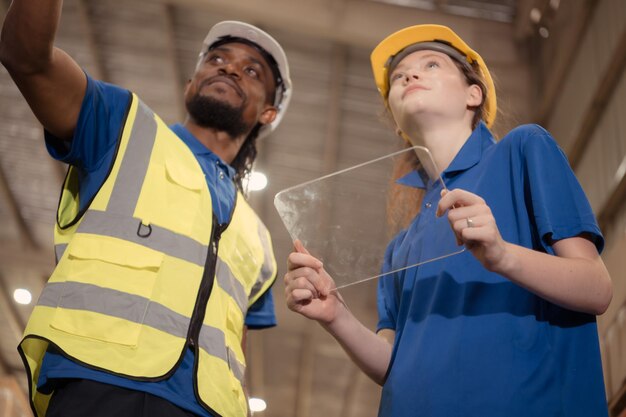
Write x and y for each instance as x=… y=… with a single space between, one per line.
x=443 y=140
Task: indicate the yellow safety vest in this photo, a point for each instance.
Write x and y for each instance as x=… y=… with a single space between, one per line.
x=145 y=271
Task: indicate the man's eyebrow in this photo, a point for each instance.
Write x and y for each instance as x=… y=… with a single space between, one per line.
x=260 y=62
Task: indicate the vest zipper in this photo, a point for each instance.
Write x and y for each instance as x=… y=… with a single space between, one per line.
x=206 y=286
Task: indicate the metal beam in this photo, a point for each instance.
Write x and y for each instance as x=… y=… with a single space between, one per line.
x=603 y=95
x=351 y=395
x=99 y=70
x=616 y=200
x=10 y=314
x=554 y=81
x=26 y=236
x=362 y=23
x=12 y=256
x=173 y=58
x=334 y=114
x=522 y=24
x=15 y=399
x=5 y=368
x=305 y=372
x=255 y=372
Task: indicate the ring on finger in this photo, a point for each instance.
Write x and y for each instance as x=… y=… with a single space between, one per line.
x=470 y=222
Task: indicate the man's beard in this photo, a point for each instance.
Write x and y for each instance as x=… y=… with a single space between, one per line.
x=216 y=114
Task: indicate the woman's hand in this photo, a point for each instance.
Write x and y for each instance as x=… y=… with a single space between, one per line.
x=575 y=278
x=309 y=288
x=310 y=291
x=474 y=226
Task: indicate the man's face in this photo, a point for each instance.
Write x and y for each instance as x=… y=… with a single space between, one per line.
x=231 y=90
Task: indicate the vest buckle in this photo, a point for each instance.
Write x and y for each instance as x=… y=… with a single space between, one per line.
x=144 y=230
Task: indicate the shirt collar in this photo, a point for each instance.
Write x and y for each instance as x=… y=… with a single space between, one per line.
x=469 y=155
x=199 y=150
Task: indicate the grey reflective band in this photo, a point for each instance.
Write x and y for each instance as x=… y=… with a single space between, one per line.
x=134 y=308
x=168 y=242
x=213 y=341
x=139 y=310
x=162 y=240
x=131 y=174
x=231 y=285
x=129 y=181
x=237 y=368
x=59 y=249
x=267 y=272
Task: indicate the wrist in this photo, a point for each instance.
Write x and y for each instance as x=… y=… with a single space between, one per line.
x=334 y=324
x=508 y=261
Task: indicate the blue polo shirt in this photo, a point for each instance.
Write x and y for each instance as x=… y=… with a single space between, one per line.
x=469 y=342
x=91 y=151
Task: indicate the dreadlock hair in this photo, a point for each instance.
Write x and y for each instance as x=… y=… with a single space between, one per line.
x=245 y=157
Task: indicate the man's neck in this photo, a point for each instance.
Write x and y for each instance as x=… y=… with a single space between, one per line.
x=218 y=142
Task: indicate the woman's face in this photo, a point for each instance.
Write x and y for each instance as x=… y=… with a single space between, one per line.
x=427 y=86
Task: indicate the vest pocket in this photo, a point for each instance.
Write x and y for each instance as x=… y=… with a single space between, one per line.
x=172 y=196
x=109 y=287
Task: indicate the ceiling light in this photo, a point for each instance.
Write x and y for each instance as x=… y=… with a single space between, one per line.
x=555 y=4
x=256 y=181
x=544 y=32
x=257 y=405
x=22 y=296
x=535 y=15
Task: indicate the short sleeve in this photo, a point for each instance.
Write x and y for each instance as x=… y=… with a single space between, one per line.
x=98 y=130
x=261 y=314
x=387 y=295
x=559 y=205
x=101 y=115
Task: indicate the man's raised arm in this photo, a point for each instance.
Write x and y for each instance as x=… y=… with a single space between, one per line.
x=49 y=79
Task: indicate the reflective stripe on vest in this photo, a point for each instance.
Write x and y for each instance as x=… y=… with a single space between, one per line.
x=266 y=272
x=176 y=245
x=132 y=307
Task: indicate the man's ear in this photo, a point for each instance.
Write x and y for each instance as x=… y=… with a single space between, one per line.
x=187 y=85
x=474 y=96
x=268 y=115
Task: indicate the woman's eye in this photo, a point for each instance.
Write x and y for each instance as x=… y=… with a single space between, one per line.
x=396 y=76
x=432 y=64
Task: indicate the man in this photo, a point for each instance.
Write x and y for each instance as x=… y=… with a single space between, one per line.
x=162 y=265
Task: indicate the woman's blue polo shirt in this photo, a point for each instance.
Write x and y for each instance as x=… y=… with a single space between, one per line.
x=469 y=342
x=91 y=152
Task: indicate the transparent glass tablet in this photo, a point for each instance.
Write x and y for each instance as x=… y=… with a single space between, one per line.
x=341 y=217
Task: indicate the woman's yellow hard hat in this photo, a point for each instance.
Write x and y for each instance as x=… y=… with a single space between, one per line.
x=436 y=37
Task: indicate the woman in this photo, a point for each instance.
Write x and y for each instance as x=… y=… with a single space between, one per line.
x=506 y=328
